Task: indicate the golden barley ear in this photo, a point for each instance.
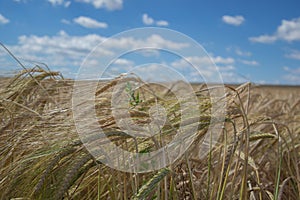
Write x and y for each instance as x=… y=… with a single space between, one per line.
x=78 y=168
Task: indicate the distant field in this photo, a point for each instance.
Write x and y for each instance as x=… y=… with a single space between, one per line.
x=257 y=155
x=290 y=93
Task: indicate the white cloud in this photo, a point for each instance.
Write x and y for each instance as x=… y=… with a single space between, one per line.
x=150 y=52
x=294 y=54
x=67 y=4
x=153 y=41
x=56 y=2
x=208 y=61
x=60 y=50
x=147 y=20
x=63 y=51
x=60 y=2
x=242 y=53
x=226 y=68
x=292 y=76
x=3 y=20
x=108 y=4
x=221 y=60
x=160 y=42
x=289 y=31
x=162 y=23
x=233 y=20
x=206 y=66
x=294 y=71
x=122 y=61
x=250 y=62
x=19 y=1
x=65 y=21
x=238 y=51
x=89 y=22
x=292 y=79
x=263 y=39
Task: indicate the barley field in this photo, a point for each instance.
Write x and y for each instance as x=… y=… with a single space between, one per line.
x=257 y=155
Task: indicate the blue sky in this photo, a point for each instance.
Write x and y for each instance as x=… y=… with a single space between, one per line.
x=256 y=41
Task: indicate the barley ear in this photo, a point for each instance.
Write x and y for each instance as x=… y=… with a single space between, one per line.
x=150 y=185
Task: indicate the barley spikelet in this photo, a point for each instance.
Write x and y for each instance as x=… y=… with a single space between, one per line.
x=15 y=176
x=72 y=174
x=113 y=83
x=107 y=86
x=257 y=136
x=150 y=185
x=51 y=165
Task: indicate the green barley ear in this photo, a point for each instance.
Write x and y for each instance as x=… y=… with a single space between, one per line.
x=134 y=96
x=151 y=184
x=137 y=100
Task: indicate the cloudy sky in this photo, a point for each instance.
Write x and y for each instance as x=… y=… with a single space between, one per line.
x=256 y=41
